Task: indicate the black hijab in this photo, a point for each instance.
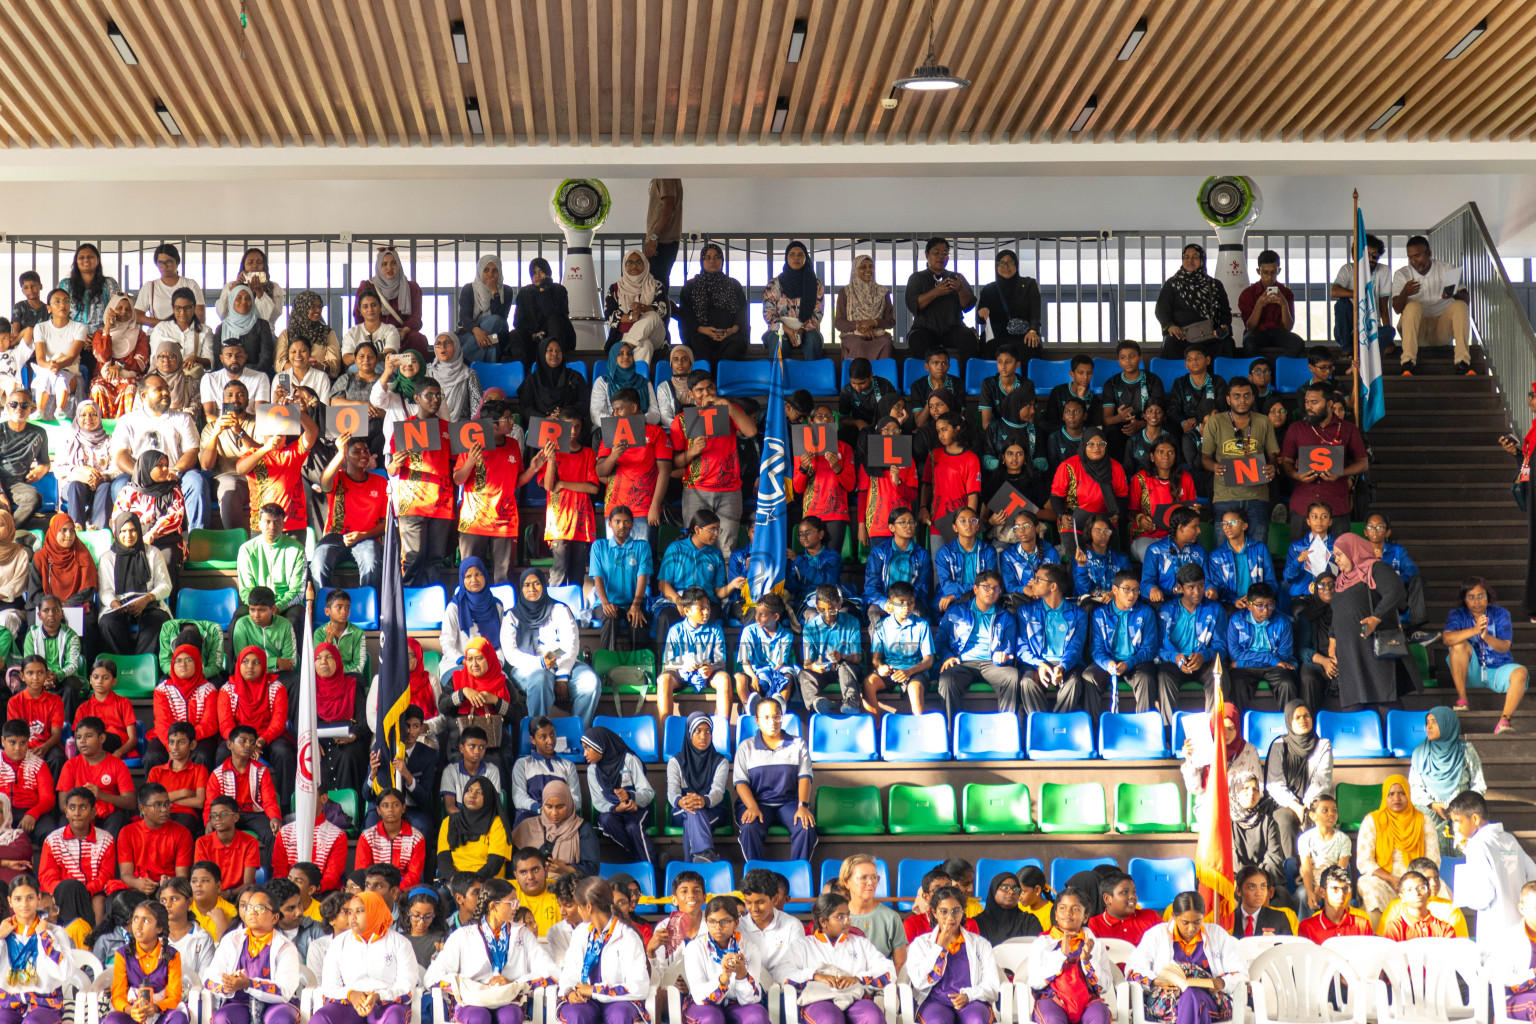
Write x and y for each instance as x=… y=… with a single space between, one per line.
x=698 y=766
x=530 y=616
x=548 y=388
x=1011 y=291
x=799 y=284
x=612 y=752
x=1101 y=470
x=466 y=826
x=998 y=923
x=1296 y=750
x=130 y=566
x=162 y=491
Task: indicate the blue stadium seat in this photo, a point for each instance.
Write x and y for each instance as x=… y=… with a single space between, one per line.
x=914 y=737
x=506 y=593
x=880 y=367
x=912 y=370
x=639 y=731
x=843 y=738
x=507 y=376
x=1405 y=730
x=600 y=369
x=909 y=879
x=737 y=377
x=746 y=727
x=580 y=367
x=832 y=866
x=673 y=736
x=987 y=736
x=48 y=487
x=568 y=729
x=1182 y=721
x=719 y=876
x=1103 y=369
x=424 y=607
x=572 y=597
x=1063 y=868
x=1228 y=367
x=1064 y=737
x=1167 y=370
x=216 y=606
x=1047 y=373
x=976 y=371
x=641 y=871
x=988 y=868
x=664 y=369
x=1158 y=881
x=1129 y=736
x=1291 y=372
x=799 y=874
x=1261 y=728
x=1352 y=733
x=814 y=375
x=365 y=606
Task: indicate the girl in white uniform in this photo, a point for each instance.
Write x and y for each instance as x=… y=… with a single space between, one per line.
x=1069 y=971
x=724 y=970
x=1204 y=953
x=606 y=977
x=832 y=959
x=494 y=951
x=954 y=975
x=255 y=964
x=370 y=971
x=34 y=960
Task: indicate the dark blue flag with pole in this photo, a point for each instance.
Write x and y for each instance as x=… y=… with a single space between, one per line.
x=394 y=681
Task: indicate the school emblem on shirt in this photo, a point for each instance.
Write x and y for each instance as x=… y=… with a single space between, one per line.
x=106 y=778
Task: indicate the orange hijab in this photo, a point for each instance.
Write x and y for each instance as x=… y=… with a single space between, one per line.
x=64 y=571
x=377 y=919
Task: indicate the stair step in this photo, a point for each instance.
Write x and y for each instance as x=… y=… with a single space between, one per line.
x=1416 y=453
x=1448 y=472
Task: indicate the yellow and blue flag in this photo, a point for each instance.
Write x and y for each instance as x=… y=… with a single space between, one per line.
x=394 y=682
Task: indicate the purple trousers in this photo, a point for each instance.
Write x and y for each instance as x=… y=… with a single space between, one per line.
x=939 y=1010
x=1049 y=1011
x=38 y=1015
x=862 y=1011
x=729 y=1013
x=1522 y=1006
x=240 y=1013
x=623 y=1011
x=509 y=1014
x=345 y=1013
x=167 y=1017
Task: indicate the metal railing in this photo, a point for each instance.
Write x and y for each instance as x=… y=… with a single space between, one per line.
x=1498 y=315
x=1096 y=288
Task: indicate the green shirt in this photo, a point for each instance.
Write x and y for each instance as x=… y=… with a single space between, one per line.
x=62 y=652
x=354 y=653
x=1220 y=441
x=212 y=644
x=276 y=640
x=280 y=566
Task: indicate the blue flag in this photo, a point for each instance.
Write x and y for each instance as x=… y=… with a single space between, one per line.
x=766 y=570
x=394 y=680
x=1374 y=404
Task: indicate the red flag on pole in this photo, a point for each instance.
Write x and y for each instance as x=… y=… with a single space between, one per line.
x=1213 y=854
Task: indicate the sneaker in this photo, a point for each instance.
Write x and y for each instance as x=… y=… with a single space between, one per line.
x=1461 y=704
x=706 y=858
x=1280 y=513
x=1465 y=369
x=1408 y=369
x=1423 y=637
x=851 y=709
x=1504 y=726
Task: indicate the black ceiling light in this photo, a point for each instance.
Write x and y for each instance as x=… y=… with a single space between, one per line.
x=931 y=76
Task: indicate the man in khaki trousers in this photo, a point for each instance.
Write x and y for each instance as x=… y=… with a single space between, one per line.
x=1431 y=307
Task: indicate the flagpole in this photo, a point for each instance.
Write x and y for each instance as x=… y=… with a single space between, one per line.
x=1359 y=386
x=308 y=782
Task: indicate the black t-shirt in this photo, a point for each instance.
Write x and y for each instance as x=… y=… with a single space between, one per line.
x=19 y=449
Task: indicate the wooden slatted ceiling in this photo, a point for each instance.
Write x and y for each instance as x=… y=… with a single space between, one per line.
x=633 y=72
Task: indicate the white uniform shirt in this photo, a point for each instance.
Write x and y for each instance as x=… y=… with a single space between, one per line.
x=924 y=972
x=467 y=953
x=780 y=942
x=284 y=978
x=386 y=966
x=703 y=972
x=625 y=969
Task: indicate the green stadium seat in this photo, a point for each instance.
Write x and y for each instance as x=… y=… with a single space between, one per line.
x=1355 y=802
x=1072 y=807
x=1149 y=807
x=136 y=675
x=605 y=661
x=215 y=549
x=923 y=809
x=1279 y=541
x=849 y=811
x=97 y=542
x=995 y=809
x=352 y=804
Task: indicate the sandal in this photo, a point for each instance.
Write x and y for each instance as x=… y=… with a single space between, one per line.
x=1461 y=704
x=1504 y=726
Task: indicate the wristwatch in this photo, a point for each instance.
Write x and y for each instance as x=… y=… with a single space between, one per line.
x=650 y=238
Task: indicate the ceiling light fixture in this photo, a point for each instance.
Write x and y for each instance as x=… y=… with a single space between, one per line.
x=1392 y=111
x=166 y=119
x=796 y=41
x=121 y=42
x=472 y=108
x=931 y=76
x=460 y=41
x=1467 y=40
x=780 y=115
x=1133 y=40
x=1088 y=111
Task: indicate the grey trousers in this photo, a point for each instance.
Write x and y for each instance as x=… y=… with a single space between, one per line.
x=725 y=504
x=234 y=497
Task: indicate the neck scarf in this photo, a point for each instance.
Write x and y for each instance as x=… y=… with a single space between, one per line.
x=125 y=332
x=377 y=920
x=997 y=923
x=421 y=681
x=530 y=616
x=630 y=288
x=249 y=694
x=546 y=387
x=698 y=766
x=64 y=571
x=335 y=694
x=593 y=954
x=483 y=294
x=394 y=292
x=718 y=953
x=713 y=293
x=1362 y=559
x=162 y=491
x=494 y=681
x=480 y=609
x=1199 y=291
x=564 y=839
x=1441 y=763
x=799 y=284
x=466 y=826
x=612 y=751
x=498 y=945
x=405 y=386
x=1397 y=830
x=237 y=325
x=1296 y=750
x=315 y=332
x=1101 y=470
x=130 y=566
x=455 y=376
x=866 y=299
x=618 y=377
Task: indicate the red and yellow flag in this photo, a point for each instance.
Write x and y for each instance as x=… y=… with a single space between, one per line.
x=1213 y=855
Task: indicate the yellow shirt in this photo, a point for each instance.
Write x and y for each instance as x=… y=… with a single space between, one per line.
x=472 y=856
x=546 y=909
x=79 y=929
x=207 y=922
x=1043 y=915
x=313 y=911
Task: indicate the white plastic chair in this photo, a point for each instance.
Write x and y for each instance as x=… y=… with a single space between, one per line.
x=88 y=999
x=1303 y=983
x=309 y=993
x=1119 y=950
x=1366 y=954
x=81 y=986
x=1424 y=980
x=1014 y=1001
x=1253 y=945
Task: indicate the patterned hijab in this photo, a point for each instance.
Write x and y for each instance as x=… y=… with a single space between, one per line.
x=314 y=333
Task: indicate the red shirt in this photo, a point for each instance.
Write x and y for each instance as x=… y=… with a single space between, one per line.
x=330 y=854
x=1271 y=318
x=270 y=721
x=425 y=484
x=1334 y=494
x=922 y=924
x=115 y=712
x=360 y=506
x=1319 y=929
x=41 y=714
x=110 y=775
x=826 y=492
x=569 y=515
x=407 y=851
x=252 y=789
x=634 y=475
x=28 y=784
x=885 y=495
x=91 y=861
x=1400 y=929
x=155 y=853
x=193 y=776
x=278 y=480
x=1131 y=929
x=717 y=467
x=1080 y=491
x=489 y=505
x=244 y=852
x=171 y=705
x=953 y=478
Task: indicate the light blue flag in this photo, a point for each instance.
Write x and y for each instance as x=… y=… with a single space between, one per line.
x=766 y=570
x=1374 y=406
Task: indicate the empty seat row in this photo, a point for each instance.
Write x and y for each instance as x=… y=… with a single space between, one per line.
x=1000 y=809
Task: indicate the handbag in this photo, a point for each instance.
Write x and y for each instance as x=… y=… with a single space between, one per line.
x=1389 y=643
x=1016 y=325
x=492 y=724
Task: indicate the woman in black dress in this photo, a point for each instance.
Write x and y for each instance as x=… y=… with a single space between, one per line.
x=712 y=310
x=1369 y=592
x=1011 y=305
x=1188 y=297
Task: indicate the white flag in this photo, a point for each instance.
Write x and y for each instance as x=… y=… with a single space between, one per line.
x=307 y=801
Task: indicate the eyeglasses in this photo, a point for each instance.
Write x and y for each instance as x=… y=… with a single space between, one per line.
x=18 y=405
x=1233 y=522
x=425 y=917
x=1376 y=528
x=1009 y=887
x=987 y=586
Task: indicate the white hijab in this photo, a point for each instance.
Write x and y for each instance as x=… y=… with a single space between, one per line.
x=483 y=294
x=454 y=377
x=632 y=288
x=124 y=333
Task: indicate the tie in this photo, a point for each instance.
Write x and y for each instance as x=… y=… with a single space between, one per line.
x=1248 y=928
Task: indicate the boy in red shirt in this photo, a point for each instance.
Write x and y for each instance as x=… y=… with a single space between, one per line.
x=423 y=490
x=43 y=711
x=637 y=474
x=330 y=854
x=570 y=525
x=81 y=851
x=274 y=471
x=184 y=779
x=26 y=779
x=710 y=465
x=825 y=480
x=249 y=782
x=355 y=512
x=104 y=775
x=490 y=477
x=113 y=710
x=1337 y=917
x=237 y=853
x=154 y=847
x=951 y=480
x=1121 y=918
